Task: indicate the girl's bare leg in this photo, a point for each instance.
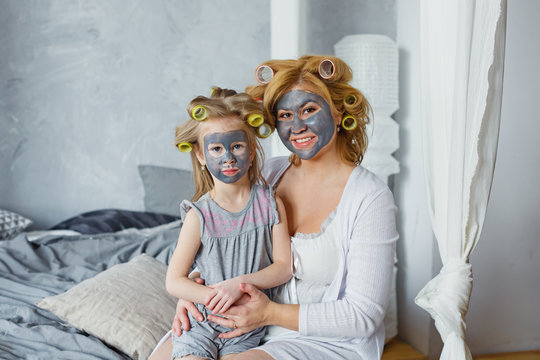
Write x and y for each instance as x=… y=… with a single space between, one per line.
x=164 y=352
x=248 y=355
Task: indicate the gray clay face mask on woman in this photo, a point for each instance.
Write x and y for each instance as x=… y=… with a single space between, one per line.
x=227 y=155
x=304 y=123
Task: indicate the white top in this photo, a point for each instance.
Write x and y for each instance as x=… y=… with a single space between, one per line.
x=315 y=260
x=353 y=306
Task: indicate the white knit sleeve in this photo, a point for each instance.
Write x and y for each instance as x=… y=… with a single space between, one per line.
x=369 y=268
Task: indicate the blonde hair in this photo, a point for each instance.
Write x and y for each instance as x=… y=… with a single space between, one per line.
x=222 y=103
x=336 y=90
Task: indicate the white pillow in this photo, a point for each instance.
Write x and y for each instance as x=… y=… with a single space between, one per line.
x=126 y=306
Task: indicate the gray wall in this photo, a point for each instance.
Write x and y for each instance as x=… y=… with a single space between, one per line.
x=91 y=89
x=504 y=313
x=328 y=21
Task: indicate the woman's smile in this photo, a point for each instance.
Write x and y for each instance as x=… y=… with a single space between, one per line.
x=304 y=141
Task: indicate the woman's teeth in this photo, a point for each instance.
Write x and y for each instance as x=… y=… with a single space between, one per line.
x=303 y=140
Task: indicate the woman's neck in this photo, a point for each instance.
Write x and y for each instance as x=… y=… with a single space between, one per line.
x=324 y=166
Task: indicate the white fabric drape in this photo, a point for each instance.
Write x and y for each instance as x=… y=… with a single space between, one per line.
x=462 y=55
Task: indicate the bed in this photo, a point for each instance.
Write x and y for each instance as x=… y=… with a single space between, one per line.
x=93 y=286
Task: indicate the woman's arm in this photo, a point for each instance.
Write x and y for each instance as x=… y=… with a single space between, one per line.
x=369 y=262
x=228 y=292
x=361 y=310
x=177 y=282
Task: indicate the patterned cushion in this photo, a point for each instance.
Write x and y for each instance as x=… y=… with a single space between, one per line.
x=11 y=224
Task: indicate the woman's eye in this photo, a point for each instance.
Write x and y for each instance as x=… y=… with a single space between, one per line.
x=284 y=115
x=216 y=149
x=238 y=146
x=310 y=109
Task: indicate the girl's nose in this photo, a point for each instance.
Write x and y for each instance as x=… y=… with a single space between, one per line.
x=229 y=158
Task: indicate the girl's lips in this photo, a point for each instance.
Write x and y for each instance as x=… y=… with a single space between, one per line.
x=304 y=142
x=230 y=172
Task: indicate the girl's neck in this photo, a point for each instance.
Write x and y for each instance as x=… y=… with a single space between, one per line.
x=232 y=197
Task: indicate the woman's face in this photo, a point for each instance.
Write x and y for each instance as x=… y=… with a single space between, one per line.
x=227 y=153
x=304 y=122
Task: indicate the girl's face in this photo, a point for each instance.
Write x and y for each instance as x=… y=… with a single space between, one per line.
x=304 y=122
x=226 y=149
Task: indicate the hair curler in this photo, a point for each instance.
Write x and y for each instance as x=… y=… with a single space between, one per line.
x=263 y=74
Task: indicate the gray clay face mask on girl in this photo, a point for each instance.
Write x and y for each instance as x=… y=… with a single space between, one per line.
x=304 y=123
x=227 y=155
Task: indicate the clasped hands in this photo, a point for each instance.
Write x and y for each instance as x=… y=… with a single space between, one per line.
x=240 y=306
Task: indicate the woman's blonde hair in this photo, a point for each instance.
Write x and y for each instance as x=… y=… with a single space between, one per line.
x=222 y=103
x=335 y=89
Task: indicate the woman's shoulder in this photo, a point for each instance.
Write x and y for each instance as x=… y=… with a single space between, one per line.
x=274 y=167
x=363 y=182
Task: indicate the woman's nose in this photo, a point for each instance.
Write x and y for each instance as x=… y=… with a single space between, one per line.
x=298 y=126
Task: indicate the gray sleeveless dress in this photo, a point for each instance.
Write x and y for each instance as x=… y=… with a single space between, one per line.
x=232 y=244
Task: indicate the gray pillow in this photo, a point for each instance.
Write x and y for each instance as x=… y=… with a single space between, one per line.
x=165 y=188
x=11 y=224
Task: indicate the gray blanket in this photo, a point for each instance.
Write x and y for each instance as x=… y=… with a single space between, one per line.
x=51 y=264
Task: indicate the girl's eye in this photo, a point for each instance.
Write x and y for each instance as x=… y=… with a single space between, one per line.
x=238 y=146
x=216 y=148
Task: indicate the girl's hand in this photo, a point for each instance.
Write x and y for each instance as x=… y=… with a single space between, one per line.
x=249 y=314
x=224 y=294
x=181 y=318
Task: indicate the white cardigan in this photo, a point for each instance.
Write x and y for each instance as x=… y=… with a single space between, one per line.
x=354 y=305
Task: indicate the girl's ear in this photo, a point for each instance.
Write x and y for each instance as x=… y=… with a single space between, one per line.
x=253 y=151
x=200 y=156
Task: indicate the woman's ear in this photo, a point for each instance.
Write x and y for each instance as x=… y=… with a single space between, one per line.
x=337 y=118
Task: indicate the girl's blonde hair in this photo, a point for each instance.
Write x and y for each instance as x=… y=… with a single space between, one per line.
x=222 y=103
x=342 y=98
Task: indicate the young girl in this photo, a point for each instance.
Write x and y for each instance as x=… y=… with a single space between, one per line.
x=235 y=230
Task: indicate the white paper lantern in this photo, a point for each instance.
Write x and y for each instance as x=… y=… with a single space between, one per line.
x=374 y=60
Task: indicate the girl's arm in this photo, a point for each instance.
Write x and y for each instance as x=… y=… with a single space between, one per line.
x=227 y=292
x=177 y=282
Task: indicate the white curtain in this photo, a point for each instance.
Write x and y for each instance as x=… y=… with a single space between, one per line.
x=462 y=55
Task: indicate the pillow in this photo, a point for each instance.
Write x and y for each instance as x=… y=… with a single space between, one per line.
x=126 y=306
x=11 y=224
x=113 y=220
x=165 y=188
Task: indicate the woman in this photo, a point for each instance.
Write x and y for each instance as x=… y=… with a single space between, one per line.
x=341 y=219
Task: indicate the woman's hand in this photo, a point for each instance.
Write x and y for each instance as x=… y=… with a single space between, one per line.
x=224 y=294
x=181 y=318
x=250 y=312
